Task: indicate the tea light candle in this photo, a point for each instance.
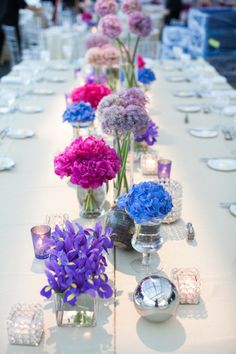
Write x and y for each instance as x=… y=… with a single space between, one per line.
x=149 y=164
x=188 y=284
x=40 y=235
x=164 y=168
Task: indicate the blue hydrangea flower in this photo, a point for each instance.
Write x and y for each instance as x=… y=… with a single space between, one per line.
x=79 y=112
x=146 y=201
x=146 y=76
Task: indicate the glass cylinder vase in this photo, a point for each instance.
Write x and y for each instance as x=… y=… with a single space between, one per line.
x=91 y=201
x=128 y=75
x=124 y=147
x=147 y=239
x=82 y=314
x=80 y=129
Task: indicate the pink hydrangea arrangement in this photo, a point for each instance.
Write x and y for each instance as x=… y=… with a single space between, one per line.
x=105 y=7
x=129 y=6
x=88 y=162
x=92 y=93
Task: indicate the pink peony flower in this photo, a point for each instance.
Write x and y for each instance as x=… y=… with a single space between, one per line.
x=140 y=24
x=140 y=61
x=129 y=6
x=89 y=163
x=91 y=93
x=110 y=26
x=105 y=7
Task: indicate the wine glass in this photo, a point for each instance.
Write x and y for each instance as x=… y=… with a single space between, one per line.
x=219 y=101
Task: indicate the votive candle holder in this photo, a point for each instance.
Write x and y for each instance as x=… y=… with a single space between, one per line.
x=40 y=235
x=164 y=168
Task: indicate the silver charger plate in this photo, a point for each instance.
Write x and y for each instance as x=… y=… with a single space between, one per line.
x=188 y=108
x=232 y=209
x=20 y=133
x=176 y=78
x=184 y=93
x=43 y=91
x=6 y=163
x=222 y=164
x=203 y=132
x=30 y=109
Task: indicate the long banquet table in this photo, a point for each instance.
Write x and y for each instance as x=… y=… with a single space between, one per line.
x=31 y=190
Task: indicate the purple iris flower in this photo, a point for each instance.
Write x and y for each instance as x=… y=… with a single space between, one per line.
x=76 y=262
x=150 y=135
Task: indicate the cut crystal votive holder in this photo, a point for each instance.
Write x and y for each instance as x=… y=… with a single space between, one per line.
x=187 y=281
x=25 y=324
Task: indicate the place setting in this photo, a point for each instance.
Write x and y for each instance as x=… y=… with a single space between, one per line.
x=224 y=164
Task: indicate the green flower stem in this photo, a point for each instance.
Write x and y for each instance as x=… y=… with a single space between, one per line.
x=131 y=80
x=126 y=144
x=120 y=151
x=89 y=201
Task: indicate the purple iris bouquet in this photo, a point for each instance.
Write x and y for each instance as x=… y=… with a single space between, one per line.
x=77 y=263
x=81 y=112
x=139 y=25
x=146 y=201
x=122 y=114
x=149 y=136
x=146 y=76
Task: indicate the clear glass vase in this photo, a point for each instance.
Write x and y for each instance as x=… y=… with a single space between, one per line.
x=124 y=147
x=146 y=240
x=91 y=201
x=80 y=129
x=82 y=314
x=128 y=75
x=175 y=189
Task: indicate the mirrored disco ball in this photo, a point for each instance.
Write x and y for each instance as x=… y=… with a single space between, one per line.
x=156 y=298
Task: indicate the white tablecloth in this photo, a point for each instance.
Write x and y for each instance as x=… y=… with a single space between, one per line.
x=31 y=190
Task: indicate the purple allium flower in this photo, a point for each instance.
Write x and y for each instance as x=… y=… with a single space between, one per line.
x=129 y=6
x=94 y=56
x=105 y=7
x=110 y=26
x=97 y=40
x=151 y=134
x=111 y=55
x=79 y=112
x=140 y=24
x=124 y=112
x=76 y=262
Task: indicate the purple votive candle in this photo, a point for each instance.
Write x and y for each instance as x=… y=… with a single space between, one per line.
x=163 y=168
x=40 y=235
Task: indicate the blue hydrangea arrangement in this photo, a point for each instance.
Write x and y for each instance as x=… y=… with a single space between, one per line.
x=146 y=76
x=145 y=201
x=81 y=112
x=77 y=263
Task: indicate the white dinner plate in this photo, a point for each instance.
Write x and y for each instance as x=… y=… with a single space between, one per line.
x=232 y=209
x=222 y=164
x=30 y=109
x=20 y=133
x=176 y=78
x=184 y=93
x=203 y=132
x=55 y=79
x=6 y=163
x=188 y=108
x=43 y=91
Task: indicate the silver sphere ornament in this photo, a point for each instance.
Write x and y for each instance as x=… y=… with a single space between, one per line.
x=156 y=298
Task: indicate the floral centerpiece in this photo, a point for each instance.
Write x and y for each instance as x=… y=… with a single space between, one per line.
x=139 y=25
x=121 y=115
x=91 y=93
x=90 y=163
x=77 y=266
x=79 y=115
x=147 y=203
x=148 y=138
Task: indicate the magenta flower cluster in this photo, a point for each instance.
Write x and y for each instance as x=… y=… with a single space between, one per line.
x=105 y=7
x=88 y=162
x=140 y=24
x=110 y=26
x=123 y=112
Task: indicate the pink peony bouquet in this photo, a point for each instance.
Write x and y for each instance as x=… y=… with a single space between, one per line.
x=91 y=93
x=88 y=162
